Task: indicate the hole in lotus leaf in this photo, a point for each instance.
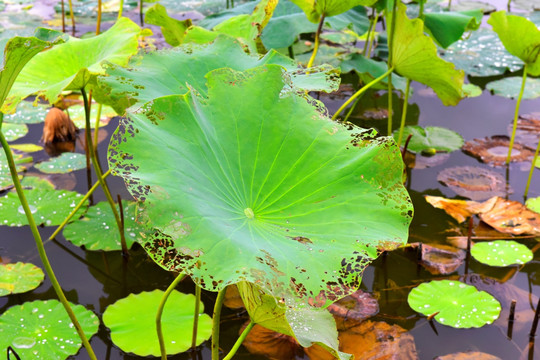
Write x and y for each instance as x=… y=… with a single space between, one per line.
x=494 y=150
x=66 y=162
x=43 y=330
x=501 y=253
x=19 y=277
x=473 y=182
x=137 y=334
x=527 y=130
x=469 y=355
x=439 y=259
x=456 y=304
x=271 y=344
x=353 y=309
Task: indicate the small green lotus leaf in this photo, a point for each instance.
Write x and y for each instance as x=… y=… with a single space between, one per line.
x=520 y=37
x=27 y=113
x=415 y=57
x=76 y=114
x=471 y=90
x=448 y=27
x=19 y=277
x=6 y=180
x=314 y=9
x=510 y=87
x=501 y=253
x=13 y=132
x=97 y=230
x=482 y=54
x=534 y=204
x=33 y=182
x=66 y=162
x=26 y=147
x=298 y=185
x=458 y=305
x=132 y=321
x=74 y=64
x=43 y=330
x=431 y=137
x=48 y=207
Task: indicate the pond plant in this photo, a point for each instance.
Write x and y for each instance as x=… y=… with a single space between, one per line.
x=239 y=175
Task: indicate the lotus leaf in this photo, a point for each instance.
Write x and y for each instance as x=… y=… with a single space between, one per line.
x=520 y=37
x=534 y=204
x=32 y=182
x=19 y=277
x=27 y=113
x=76 y=114
x=6 y=180
x=97 y=230
x=297 y=183
x=173 y=30
x=448 y=27
x=511 y=217
x=511 y=86
x=501 y=253
x=49 y=207
x=43 y=330
x=67 y=162
x=74 y=64
x=132 y=321
x=13 y=132
x=314 y=9
x=28 y=148
x=473 y=182
x=415 y=57
x=431 y=137
x=456 y=304
x=369 y=69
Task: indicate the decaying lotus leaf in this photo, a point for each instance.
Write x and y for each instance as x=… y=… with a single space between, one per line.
x=470 y=355
x=372 y=340
x=512 y=217
x=273 y=345
x=473 y=182
x=527 y=130
x=440 y=259
x=493 y=150
x=460 y=209
x=353 y=309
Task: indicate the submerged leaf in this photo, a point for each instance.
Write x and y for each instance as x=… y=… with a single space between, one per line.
x=494 y=150
x=67 y=162
x=431 y=139
x=501 y=253
x=298 y=183
x=473 y=182
x=19 y=278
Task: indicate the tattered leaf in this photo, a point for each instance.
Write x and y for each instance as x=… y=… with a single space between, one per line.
x=19 y=278
x=494 y=150
x=501 y=253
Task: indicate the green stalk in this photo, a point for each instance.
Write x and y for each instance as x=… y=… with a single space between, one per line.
x=372 y=39
x=41 y=248
x=239 y=341
x=196 y=316
x=121 y=9
x=141 y=17
x=98 y=21
x=317 y=40
x=72 y=17
x=516 y=114
x=449 y=5
x=160 y=312
x=532 y=169
x=421 y=12
x=361 y=91
x=97 y=169
x=63 y=17
x=391 y=28
x=96 y=127
x=371 y=25
x=215 y=324
x=351 y=109
x=404 y=112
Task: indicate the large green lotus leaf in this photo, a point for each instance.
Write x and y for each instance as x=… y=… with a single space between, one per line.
x=76 y=114
x=97 y=230
x=458 y=305
x=510 y=87
x=49 y=207
x=482 y=54
x=314 y=9
x=132 y=321
x=43 y=330
x=19 y=277
x=169 y=72
x=13 y=132
x=74 y=64
x=533 y=204
x=415 y=57
x=6 y=180
x=448 y=27
x=431 y=138
x=66 y=162
x=27 y=113
x=264 y=188
x=501 y=253
x=520 y=37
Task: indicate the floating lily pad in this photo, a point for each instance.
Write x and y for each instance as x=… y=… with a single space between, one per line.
x=27 y=113
x=13 y=132
x=494 y=150
x=66 y=162
x=26 y=147
x=43 y=330
x=511 y=86
x=76 y=114
x=6 y=180
x=48 y=207
x=534 y=204
x=31 y=182
x=501 y=253
x=457 y=304
x=473 y=182
x=132 y=321
x=97 y=230
x=19 y=277
x=431 y=139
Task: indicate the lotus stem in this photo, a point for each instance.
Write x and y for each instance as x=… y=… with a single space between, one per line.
x=196 y=316
x=41 y=248
x=449 y=5
x=141 y=18
x=516 y=114
x=508 y=5
x=125 y=250
x=404 y=112
x=63 y=17
x=371 y=25
x=291 y=52
x=96 y=127
x=317 y=40
x=72 y=15
x=227 y=4
x=532 y=334
x=120 y=9
x=533 y=164
x=351 y=109
x=421 y=11
x=97 y=169
x=215 y=324
x=161 y=306
x=391 y=31
x=361 y=91
x=98 y=21
x=239 y=341
x=372 y=39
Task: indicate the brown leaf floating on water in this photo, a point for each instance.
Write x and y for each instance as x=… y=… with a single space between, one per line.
x=440 y=259
x=371 y=340
x=473 y=182
x=528 y=129
x=460 y=210
x=273 y=345
x=470 y=355
x=494 y=150
x=353 y=309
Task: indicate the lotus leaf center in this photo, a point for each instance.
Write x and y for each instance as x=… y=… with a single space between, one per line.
x=249 y=213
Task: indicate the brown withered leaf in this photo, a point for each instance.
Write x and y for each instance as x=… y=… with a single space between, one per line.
x=273 y=345
x=440 y=259
x=353 y=309
x=233 y=300
x=473 y=182
x=528 y=129
x=460 y=210
x=512 y=217
x=494 y=150
x=470 y=355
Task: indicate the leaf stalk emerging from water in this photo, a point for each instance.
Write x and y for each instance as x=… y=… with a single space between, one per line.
x=404 y=112
x=215 y=323
x=239 y=341
x=516 y=114
x=161 y=306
